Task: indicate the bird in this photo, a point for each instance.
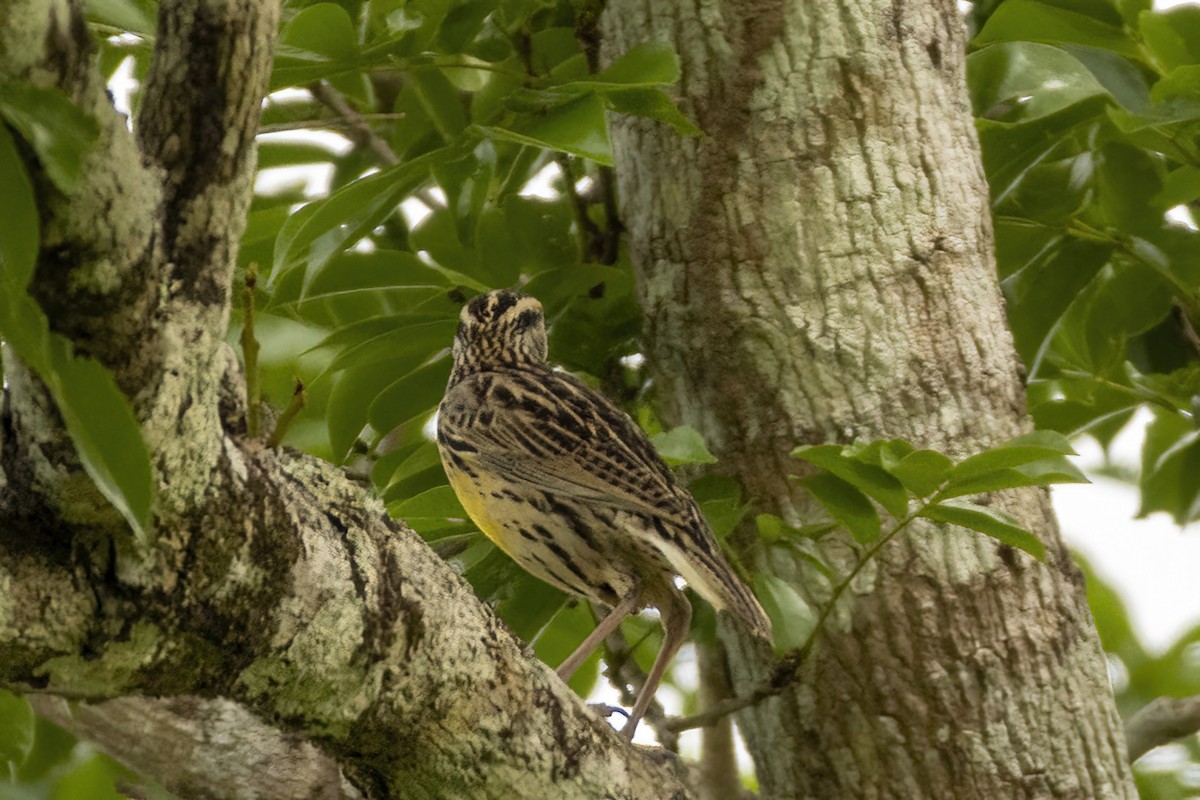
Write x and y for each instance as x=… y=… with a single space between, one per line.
x=567 y=484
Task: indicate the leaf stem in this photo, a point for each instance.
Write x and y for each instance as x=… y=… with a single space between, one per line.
x=250 y=349
x=788 y=667
x=289 y=415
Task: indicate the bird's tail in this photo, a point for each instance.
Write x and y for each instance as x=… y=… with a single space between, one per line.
x=696 y=555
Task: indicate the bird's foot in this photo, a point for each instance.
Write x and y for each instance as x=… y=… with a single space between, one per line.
x=606 y=711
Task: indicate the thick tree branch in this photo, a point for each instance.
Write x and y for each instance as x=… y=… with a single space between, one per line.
x=1161 y=721
x=304 y=605
x=210 y=749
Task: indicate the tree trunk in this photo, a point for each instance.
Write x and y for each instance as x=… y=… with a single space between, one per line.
x=277 y=617
x=818 y=268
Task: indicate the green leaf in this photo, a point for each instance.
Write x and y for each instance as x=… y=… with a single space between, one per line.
x=324 y=227
x=578 y=127
x=492 y=573
x=439 y=503
x=1170 y=464
x=884 y=453
x=1026 y=449
x=846 y=504
x=424 y=457
x=1128 y=178
x=1040 y=294
x=1124 y=79
x=412 y=343
x=105 y=432
x=989 y=521
x=98 y=417
x=413 y=395
x=1050 y=193
x=1010 y=150
x=1127 y=298
x=792 y=618
x=1045 y=472
x=1181 y=186
x=273 y=153
x=441 y=101
x=682 y=445
x=652 y=104
x=92 y=780
x=16 y=729
x=559 y=288
x=530 y=605
x=1173 y=36
x=720 y=498
x=530 y=236
x=650 y=64
x=874 y=481
x=1179 y=387
x=318 y=42
x=558 y=639
x=1073 y=406
x=351 y=398
x=922 y=471
x=771 y=528
x=1024 y=80
x=122 y=14
x=1029 y=20
x=58 y=130
x=19 y=235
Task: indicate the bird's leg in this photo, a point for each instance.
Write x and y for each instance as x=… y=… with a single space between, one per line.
x=607 y=625
x=676 y=619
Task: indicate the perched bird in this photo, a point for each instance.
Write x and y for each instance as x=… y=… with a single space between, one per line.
x=565 y=483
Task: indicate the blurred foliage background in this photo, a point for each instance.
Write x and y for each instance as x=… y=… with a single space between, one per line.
x=414 y=153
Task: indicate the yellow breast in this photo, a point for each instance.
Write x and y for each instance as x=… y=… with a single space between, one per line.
x=474 y=494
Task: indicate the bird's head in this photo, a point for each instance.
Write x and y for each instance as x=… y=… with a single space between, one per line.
x=500 y=328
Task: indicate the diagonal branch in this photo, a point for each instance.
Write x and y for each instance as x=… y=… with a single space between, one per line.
x=1160 y=721
x=303 y=605
x=209 y=748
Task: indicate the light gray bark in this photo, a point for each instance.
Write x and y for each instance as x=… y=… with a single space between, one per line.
x=279 y=620
x=818 y=268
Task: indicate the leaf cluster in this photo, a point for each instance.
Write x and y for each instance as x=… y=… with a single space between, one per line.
x=1089 y=118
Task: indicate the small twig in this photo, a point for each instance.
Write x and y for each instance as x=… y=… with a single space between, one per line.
x=361 y=133
x=587 y=33
x=289 y=414
x=613 y=227
x=250 y=354
x=1189 y=329
x=1161 y=721
x=329 y=122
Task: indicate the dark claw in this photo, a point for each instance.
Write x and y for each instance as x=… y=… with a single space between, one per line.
x=606 y=711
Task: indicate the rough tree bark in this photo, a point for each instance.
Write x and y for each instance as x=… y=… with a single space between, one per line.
x=818 y=268
x=278 y=617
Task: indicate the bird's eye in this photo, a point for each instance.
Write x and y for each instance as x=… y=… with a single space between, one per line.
x=527 y=319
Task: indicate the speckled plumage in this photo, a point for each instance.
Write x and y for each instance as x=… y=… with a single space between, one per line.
x=564 y=482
